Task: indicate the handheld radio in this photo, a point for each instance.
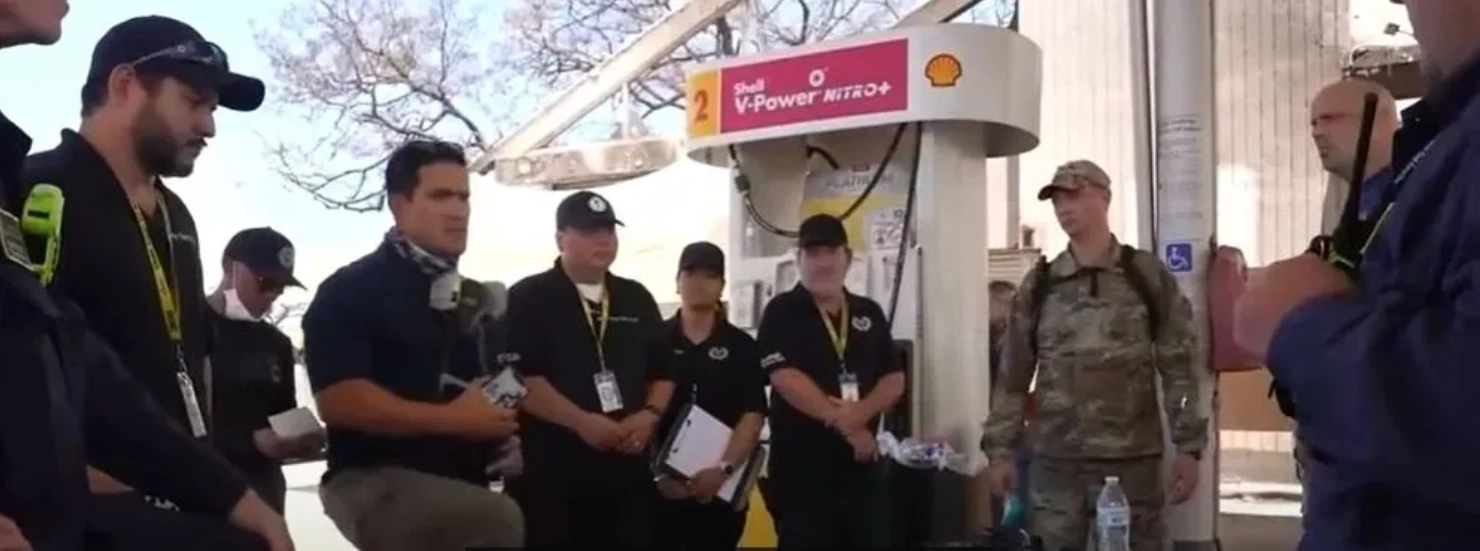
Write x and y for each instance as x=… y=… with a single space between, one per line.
x=1343 y=248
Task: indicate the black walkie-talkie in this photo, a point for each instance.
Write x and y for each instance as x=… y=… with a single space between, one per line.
x=1343 y=248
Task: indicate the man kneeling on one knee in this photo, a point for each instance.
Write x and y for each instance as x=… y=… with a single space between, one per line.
x=393 y=355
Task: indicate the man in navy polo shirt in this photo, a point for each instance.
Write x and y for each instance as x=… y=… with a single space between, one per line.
x=595 y=351
x=833 y=370
x=387 y=340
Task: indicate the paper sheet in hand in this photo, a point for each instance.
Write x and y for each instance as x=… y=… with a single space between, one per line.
x=699 y=443
x=294 y=423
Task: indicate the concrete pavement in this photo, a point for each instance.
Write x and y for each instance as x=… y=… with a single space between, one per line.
x=1247 y=524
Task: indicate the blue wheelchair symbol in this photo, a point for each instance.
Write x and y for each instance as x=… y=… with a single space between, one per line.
x=1179 y=257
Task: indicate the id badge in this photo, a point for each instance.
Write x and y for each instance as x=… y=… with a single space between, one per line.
x=192 y=404
x=848 y=387
x=606 y=389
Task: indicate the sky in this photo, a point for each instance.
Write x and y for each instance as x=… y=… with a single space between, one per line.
x=233 y=188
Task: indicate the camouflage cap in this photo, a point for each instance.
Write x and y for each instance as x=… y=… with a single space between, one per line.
x=1073 y=176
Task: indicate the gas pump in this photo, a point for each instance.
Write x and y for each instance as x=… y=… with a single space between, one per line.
x=889 y=131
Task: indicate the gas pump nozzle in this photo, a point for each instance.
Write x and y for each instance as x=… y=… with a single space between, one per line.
x=1343 y=248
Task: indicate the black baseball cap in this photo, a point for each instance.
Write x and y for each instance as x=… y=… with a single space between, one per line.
x=157 y=44
x=266 y=252
x=822 y=230
x=585 y=210
x=702 y=255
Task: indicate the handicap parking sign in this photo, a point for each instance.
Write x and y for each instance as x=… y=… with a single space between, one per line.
x=1179 y=257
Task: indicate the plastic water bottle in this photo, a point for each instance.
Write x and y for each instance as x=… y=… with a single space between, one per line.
x=1112 y=518
x=1014 y=513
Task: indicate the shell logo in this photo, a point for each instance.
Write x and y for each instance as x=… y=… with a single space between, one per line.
x=943 y=71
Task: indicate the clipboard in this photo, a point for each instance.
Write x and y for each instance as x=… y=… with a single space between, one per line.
x=696 y=442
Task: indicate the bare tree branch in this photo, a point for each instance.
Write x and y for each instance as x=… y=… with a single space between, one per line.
x=369 y=75
x=557 y=41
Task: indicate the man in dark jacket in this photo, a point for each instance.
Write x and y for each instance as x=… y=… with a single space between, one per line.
x=66 y=402
x=1381 y=370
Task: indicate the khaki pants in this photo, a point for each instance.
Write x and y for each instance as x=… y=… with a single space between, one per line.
x=1064 y=491
x=395 y=509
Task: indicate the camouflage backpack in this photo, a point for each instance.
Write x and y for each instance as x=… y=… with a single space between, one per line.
x=1044 y=282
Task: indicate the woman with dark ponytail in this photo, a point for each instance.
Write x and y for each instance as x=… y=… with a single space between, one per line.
x=717 y=370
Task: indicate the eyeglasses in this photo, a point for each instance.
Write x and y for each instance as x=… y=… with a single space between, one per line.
x=199 y=52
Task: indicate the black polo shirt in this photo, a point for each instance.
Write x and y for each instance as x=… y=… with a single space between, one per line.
x=105 y=269
x=547 y=327
x=722 y=374
x=251 y=380
x=793 y=335
x=371 y=320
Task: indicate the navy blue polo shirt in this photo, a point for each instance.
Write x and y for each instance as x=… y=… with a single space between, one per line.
x=721 y=374
x=371 y=320
x=548 y=327
x=792 y=334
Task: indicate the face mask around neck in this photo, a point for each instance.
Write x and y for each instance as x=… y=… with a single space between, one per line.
x=235 y=309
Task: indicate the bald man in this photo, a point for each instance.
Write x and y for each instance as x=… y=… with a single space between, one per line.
x=1335 y=126
x=1381 y=363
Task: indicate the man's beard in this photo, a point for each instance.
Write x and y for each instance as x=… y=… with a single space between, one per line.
x=159 y=153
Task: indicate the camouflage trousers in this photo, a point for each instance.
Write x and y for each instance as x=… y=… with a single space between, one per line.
x=1063 y=496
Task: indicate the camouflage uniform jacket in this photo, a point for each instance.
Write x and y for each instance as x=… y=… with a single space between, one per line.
x=1097 y=365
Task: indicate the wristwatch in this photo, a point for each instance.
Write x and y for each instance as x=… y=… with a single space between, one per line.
x=727 y=467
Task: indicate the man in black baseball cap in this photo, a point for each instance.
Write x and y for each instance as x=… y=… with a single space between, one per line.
x=584 y=336
x=148 y=107
x=833 y=371
x=59 y=411
x=252 y=363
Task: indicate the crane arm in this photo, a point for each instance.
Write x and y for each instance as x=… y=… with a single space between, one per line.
x=636 y=57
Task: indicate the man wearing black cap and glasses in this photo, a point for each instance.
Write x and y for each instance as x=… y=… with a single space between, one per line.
x=65 y=400
x=127 y=247
x=250 y=373
x=833 y=372
x=594 y=352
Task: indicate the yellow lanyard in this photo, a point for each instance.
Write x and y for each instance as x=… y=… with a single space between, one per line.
x=169 y=305
x=598 y=329
x=838 y=333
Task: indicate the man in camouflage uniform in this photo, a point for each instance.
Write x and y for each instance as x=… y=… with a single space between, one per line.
x=1088 y=337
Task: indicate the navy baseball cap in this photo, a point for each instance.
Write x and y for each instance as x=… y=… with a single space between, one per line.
x=159 y=45
x=585 y=210
x=822 y=230
x=702 y=255
x=266 y=252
